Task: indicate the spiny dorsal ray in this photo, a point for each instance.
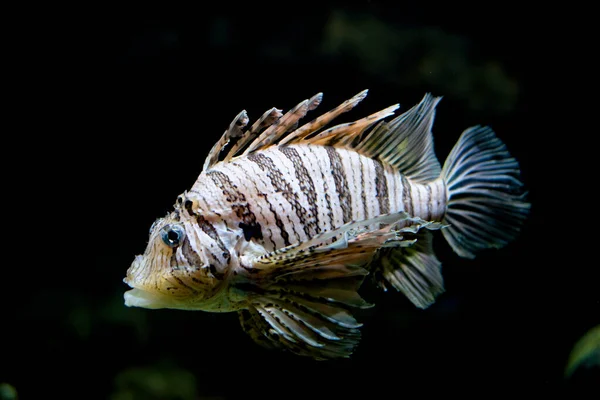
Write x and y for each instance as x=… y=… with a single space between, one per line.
x=405 y=143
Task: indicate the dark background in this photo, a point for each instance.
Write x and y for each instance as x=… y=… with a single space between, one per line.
x=131 y=101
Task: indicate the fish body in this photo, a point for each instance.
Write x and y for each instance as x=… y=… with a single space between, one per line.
x=284 y=226
x=271 y=195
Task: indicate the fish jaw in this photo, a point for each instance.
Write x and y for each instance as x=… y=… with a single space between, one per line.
x=146 y=292
x=139 y=295
x=141 y=298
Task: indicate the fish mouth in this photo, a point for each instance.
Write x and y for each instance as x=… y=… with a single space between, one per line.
x=142 y=293
x=138 y=297
x=144 y=299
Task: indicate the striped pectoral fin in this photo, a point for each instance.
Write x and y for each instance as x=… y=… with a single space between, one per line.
x=307 y=312
x=304 y=325
x=415 y=271
x=258 y=329
x=301 y=295
x=354 y=243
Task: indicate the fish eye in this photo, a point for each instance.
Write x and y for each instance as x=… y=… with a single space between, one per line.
x=172 y=235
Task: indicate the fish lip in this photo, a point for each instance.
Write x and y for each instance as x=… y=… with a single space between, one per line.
x=142 y=298
x=139 y=297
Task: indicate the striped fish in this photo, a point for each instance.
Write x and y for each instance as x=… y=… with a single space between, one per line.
x=286 y=220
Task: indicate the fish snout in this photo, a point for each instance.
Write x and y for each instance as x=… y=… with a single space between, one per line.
x=134 y=270
x=140 y=295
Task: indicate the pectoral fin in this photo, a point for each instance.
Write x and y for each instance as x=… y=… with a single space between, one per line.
x=352 y=244
x=307 y=312
x=299 y=297
x=302 y=325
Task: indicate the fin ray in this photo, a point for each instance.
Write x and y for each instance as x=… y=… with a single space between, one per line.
x=321 y=121
x=406 y=142
x=415 y=271
x=303 y=292
x=277 y=129
x=234 y=131
x=486 y=206
x=345 y=133
x=267 y=119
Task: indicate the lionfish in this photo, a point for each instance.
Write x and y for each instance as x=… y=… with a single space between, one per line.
x=285 y=221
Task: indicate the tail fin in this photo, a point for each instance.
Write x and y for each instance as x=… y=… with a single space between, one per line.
x=486 y=206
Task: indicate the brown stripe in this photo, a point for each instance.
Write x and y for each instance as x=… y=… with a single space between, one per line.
x=407 y=195
x=381 y=188
x=188 y=205
x=222 y=181
x=212 y=232
x=192 y=258
x=307 y=186
x=362 y=190
x=194 y=291
x=284 y=234
x=325 y=190
x=240 y=206
x=175 y=265
x=268 y=230
x=280 y=185
x=341 y=183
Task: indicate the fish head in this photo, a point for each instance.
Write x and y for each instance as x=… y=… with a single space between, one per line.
x=173 y=272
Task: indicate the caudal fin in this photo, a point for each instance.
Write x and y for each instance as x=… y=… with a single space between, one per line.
x=486 y=203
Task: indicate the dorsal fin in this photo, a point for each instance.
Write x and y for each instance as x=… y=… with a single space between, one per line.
x=405 y=143
x=234 y=131
x=275 y=131
x=313 y=126
x=270 y=127
x=344 y=134
x=267 y=119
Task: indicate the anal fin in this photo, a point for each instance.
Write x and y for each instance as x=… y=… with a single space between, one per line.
x=415 y=271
